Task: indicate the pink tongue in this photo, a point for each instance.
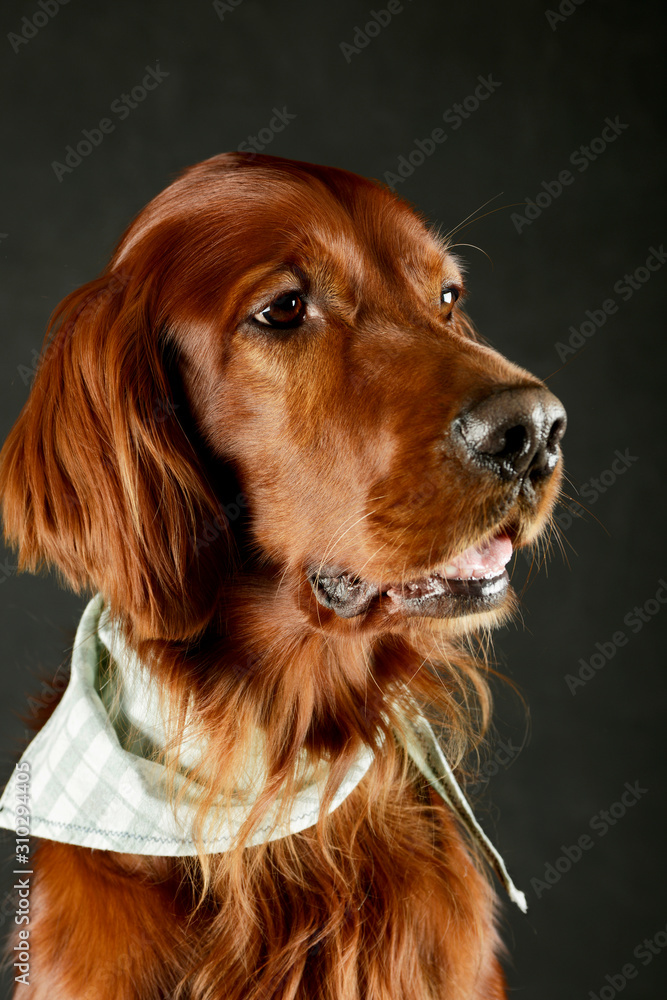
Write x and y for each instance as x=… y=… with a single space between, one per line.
x=485 y=561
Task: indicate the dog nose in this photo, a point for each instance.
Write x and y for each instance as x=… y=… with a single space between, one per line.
x=514 y=433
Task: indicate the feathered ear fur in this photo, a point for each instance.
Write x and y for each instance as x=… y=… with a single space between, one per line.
x=98 y=477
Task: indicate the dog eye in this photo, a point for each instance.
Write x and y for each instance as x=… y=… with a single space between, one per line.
x=448 y=297
x=285 y=312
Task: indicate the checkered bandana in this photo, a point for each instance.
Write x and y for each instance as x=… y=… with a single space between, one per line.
x=95 y=782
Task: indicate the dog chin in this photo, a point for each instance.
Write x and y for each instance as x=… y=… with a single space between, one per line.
x=473 y=622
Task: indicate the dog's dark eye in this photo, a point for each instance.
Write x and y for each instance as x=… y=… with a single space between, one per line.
x=286 y=311
x=448 y=297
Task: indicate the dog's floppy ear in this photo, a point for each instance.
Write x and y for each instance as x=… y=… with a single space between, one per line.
x=98 y=477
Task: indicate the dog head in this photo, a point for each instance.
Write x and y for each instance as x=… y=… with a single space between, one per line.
x=274 y=377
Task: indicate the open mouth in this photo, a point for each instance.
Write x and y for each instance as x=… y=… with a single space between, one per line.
x=473 y=582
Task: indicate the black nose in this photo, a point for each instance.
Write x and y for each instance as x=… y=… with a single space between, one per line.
x=513 y=433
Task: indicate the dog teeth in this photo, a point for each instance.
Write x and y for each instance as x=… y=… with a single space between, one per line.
x=450 y=573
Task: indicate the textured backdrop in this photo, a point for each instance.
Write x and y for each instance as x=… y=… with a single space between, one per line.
x=549 y=116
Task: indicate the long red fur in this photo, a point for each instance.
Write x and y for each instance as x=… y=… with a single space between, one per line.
x=192 y=467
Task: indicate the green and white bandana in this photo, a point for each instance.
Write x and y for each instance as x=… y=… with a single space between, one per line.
x=92 y=786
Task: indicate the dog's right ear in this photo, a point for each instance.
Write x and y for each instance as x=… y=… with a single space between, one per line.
x=98 y=477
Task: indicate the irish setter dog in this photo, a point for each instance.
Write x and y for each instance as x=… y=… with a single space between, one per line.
x=270 y=439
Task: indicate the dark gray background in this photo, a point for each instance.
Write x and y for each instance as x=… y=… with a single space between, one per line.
x=225 y=77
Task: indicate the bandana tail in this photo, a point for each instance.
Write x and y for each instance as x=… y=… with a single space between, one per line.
x=427 y=754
